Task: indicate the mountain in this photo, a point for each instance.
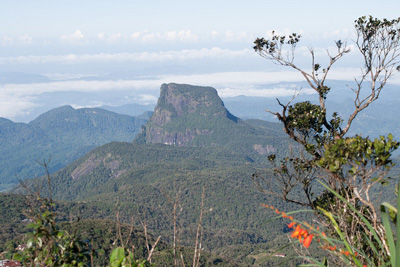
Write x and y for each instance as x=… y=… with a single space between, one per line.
x=63 y=135
x=21 y=77
x=68 y=123
x=188 y=115
x=146 y=178
x=191 y=141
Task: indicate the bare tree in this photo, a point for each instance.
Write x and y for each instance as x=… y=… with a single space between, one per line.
x=177 y=208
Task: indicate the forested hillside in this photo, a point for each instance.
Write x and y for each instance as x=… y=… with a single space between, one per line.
x=61 y=135
x=190 y=142
x=220 y=154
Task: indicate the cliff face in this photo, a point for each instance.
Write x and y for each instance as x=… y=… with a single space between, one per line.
x=188 y=115
x=184 y=112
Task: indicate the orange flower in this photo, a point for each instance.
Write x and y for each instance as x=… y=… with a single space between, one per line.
x=307 y=241
x=296 y=232
x=277 y=211
x=303 y=233
x=292 y=224
x=299 y=233
x=347 y=253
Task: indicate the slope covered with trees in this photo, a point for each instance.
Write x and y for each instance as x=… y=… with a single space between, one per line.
x=62 y=134
x=147 y=177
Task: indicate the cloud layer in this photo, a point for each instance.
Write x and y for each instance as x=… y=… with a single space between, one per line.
x=188 y=54
x=19 y=99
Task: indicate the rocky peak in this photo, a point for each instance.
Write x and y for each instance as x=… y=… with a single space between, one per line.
x=183 y=112
x=182 y=99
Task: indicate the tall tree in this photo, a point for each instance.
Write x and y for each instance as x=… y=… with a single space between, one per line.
x=350 y=165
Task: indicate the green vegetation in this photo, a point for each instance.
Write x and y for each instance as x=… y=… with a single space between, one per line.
x=55 y=235
x=143 y=178
x=63 y=134
x=147 y=175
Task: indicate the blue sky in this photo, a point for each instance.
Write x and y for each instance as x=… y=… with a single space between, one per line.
x=131 y=47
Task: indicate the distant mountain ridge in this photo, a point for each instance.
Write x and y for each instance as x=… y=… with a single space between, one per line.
x=62 y=134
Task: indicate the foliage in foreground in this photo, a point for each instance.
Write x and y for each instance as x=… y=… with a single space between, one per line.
x=351 y=167
x=49 y=245
x=336 y=246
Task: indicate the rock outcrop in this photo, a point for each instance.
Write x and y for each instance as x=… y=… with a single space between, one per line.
x=184 y=112
x=188 y=115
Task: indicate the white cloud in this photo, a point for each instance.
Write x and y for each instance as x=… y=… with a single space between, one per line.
x=146 y=37
x=115 y=37
x=149 y=37
x=231 y=36
x=92 y=105
x=77 y=37
x=12 y=106
x=7 y=41
x=214 y=34
x=183 y=36
x=192 y=54
x=17 y=100
x=323 y=51
x=135 y=35
x=266 y=92
x=67 y=76
x=77 y=86
x=143 y=99
x=101 y=36
x=343 y=34
x=235 y=79
x=23 y=40
x=26 y=39
x=219 y=80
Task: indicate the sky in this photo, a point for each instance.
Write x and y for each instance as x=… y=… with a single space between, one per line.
x=53 y=53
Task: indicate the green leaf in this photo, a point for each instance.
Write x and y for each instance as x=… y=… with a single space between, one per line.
x=18 y=257
x=389 y=206
x=389 y=234
x=60 y=234
x=117 y=255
